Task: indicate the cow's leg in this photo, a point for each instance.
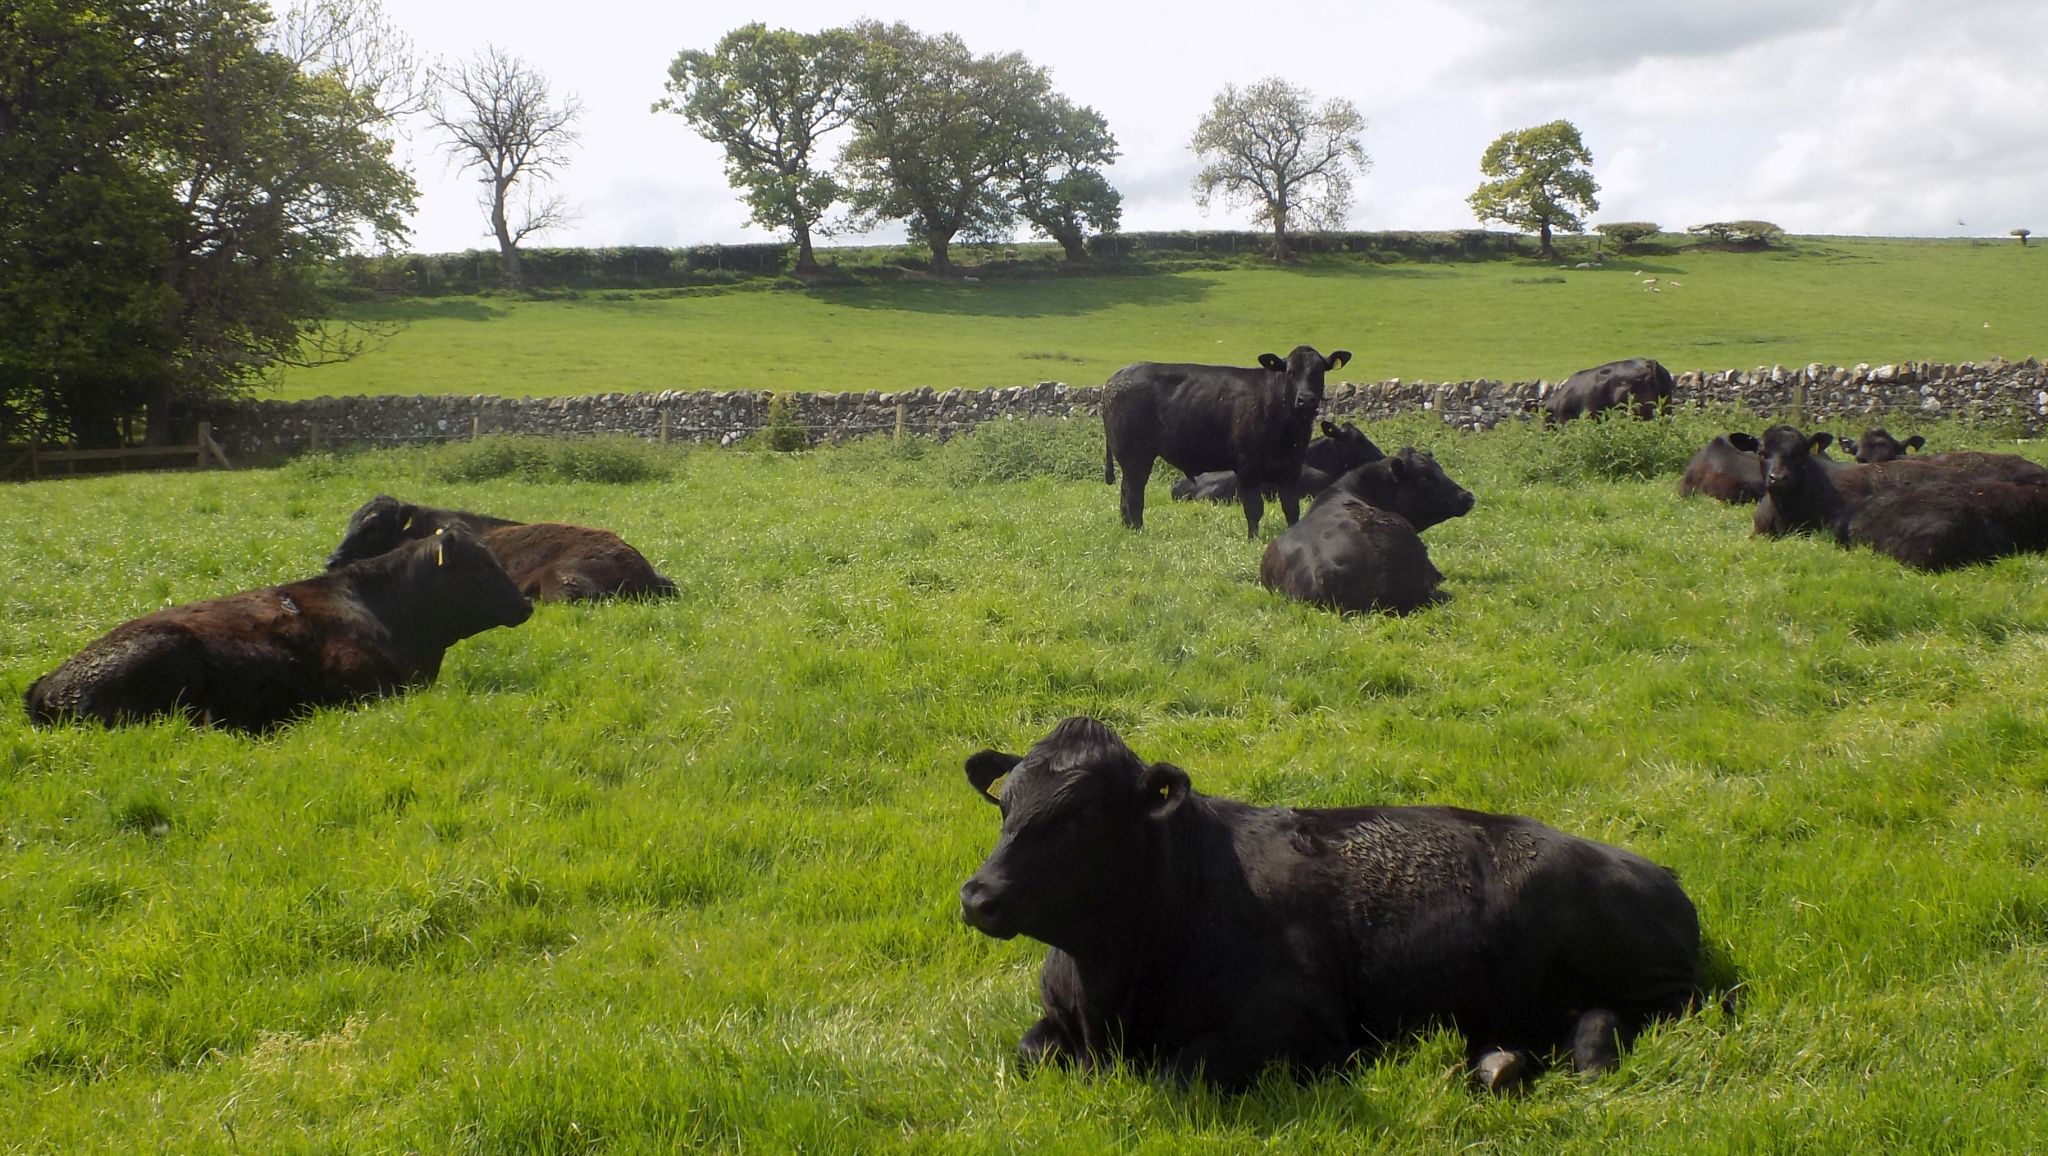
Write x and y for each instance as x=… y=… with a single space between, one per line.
x=1501 y=1071
x=1254 y=503
x=1596 y=1042
x=1290 y=504
x=1043 y=1044
x=1136 y=474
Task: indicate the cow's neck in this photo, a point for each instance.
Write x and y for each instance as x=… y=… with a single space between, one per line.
x=413 y=623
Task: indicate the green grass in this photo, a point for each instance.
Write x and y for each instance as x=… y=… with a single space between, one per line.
x=682 y=875
x=1833 y=300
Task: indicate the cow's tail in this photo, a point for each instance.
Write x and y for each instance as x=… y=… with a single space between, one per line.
x=1108 y=461
x=1109 y=431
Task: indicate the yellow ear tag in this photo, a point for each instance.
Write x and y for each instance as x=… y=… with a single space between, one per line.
x=405 y=525
x=440 y=549
x=995 y=785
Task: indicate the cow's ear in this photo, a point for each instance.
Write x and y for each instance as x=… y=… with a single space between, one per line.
x=1166 y=788
x=1330 y=429
x=1339 y=357
x=1821 y=440
x=1848 y=446
x=1747 y=443
x=987 y=770
x=1915 y=442
x=1274 y=362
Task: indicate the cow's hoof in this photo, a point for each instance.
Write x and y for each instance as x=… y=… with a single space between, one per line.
x=1502 y=1072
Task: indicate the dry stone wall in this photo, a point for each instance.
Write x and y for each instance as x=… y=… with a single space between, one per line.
x=2015 y=392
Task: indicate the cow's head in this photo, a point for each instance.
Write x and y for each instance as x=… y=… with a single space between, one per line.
x=1345 y=448
x=1878 y=445
x=458 y=585
x=1784 y=454
x=1083 y=818
x=1303 y=372
x=378 y=526
x=1410 y=484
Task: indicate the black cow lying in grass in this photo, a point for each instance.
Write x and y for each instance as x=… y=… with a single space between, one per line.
x=549 y=561
x=1931 y=513
x=1208 y=938
x=1360 y=547
x=1878 y=445
x=1734 y=475
x=1638 y=383
x=257 y=659
x=1252 y=422
x=1342 y=448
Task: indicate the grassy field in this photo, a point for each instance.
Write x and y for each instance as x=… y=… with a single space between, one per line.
x=683 y=875
x=1829 y=299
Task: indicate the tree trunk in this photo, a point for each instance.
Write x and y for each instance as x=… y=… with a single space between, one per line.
x=1545 y=251
x=1280 y=231
x=508 y=250
x=806 y=259
x=1074 y=241
x=941 y=263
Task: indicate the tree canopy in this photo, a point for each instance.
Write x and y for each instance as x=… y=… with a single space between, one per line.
x=1540 y=184
x=501 y=121
x=769 y=97
x=1270 y=147
x=177 y=174
x=944 y=141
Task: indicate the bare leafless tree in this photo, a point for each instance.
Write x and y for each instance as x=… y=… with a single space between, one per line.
x=497 y=113
x=1270 y=148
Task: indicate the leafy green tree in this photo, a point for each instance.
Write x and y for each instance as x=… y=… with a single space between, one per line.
x=86 y=322
x=209 y=162
x=769 y=97
x=1626 y=234
x=1540 y=183
x=1056 y=183
x=1271 y=148
x=944 y=140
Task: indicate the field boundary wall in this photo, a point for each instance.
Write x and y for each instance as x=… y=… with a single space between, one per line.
x=2005 y=391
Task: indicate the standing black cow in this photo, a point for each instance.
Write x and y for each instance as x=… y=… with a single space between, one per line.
x=1210 y=938
x=548 y=561
x=256 y=659
x=1253 y=422
x=1638 y=381
x=1878 y=445
x=1360 y=547
x=1341 y=449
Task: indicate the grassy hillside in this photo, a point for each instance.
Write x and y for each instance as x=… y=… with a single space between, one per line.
x=1836 y=300
x=682 y=875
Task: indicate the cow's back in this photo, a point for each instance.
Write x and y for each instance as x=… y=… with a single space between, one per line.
x=1498 y=923
x=1353 y=557
x=560 y=562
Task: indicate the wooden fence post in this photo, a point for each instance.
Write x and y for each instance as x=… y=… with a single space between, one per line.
x=664 y=425
x=901 y=411
x=199 y=445
x=475 y=422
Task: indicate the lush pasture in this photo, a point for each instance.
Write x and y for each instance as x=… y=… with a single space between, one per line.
x=679 y=875
x=1829 y=299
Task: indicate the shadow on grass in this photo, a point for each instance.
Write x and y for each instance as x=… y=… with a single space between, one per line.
x=1062 y=297
x=426 y=309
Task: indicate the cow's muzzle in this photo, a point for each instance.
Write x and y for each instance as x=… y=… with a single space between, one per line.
x=981 y=908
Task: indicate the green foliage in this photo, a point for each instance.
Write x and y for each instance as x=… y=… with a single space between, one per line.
x=681 y=875
x=615 y=460
x=768 y=98
x=1022 y=450
x=1270 y=148
x=1627 y=234
x=1615 y=446
x=951 y=144
x=781 y=431
x=1541 y=181
x=1738 y=234
x=176 y=181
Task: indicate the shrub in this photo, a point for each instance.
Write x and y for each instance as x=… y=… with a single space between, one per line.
x=1609 y=446
x=1738 y=234
x=783 y=433
x=1018 y=449
x=532 y=459
x=1626 y=233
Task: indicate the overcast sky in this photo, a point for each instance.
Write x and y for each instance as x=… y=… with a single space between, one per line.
x=1887 y=117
